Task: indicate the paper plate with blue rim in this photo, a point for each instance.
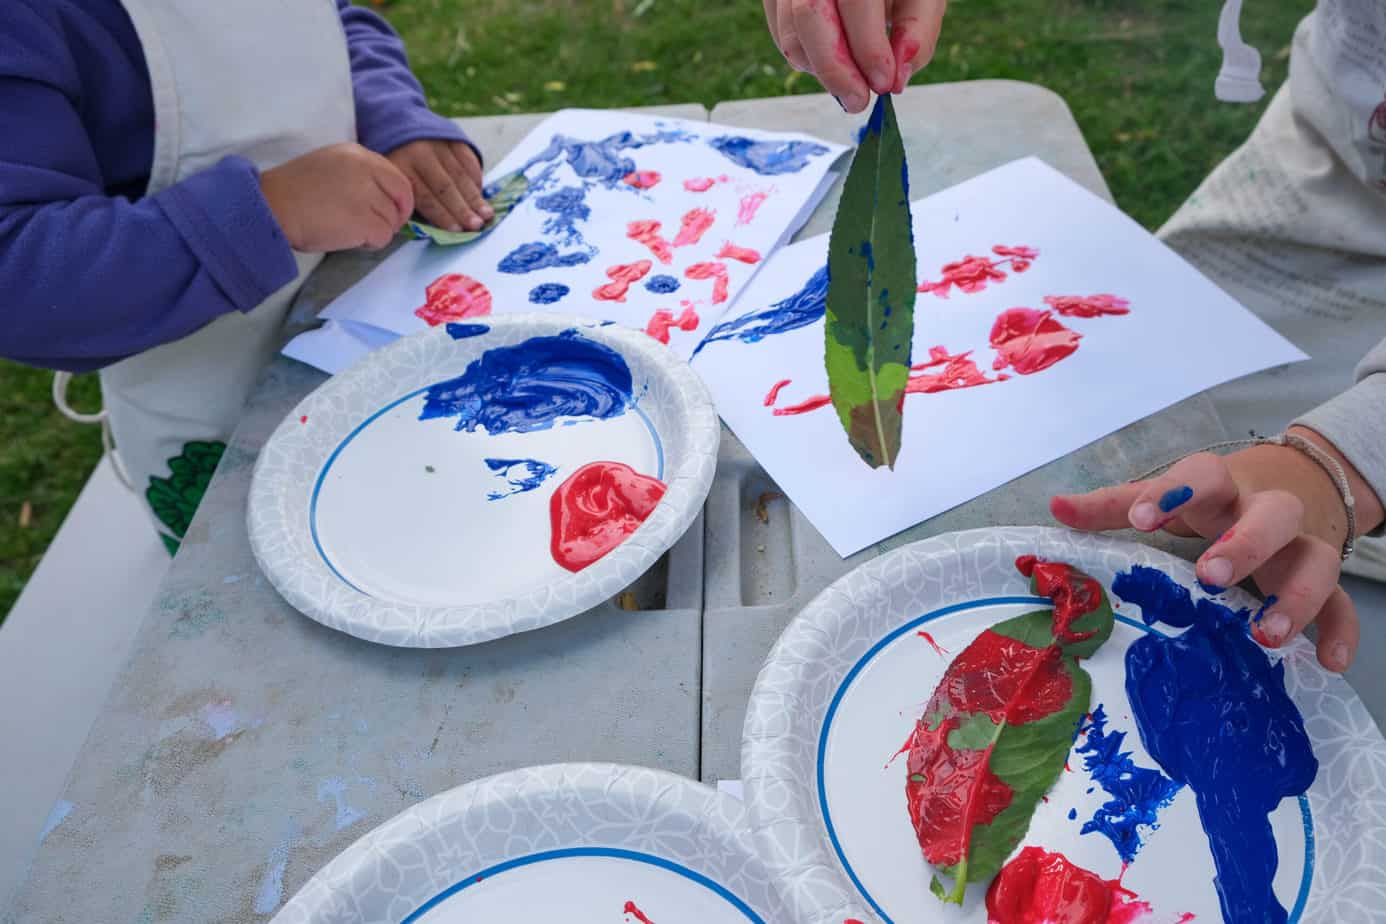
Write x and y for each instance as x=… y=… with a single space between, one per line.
x=482 y=479
x=577 y=843
x=852 y=679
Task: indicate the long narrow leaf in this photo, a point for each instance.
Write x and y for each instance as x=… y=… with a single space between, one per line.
x=871 y=290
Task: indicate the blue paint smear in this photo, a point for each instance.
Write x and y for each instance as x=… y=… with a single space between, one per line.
x=463 y=331
x=1137 y=793
x=1212 y=710
x=1211 y=588
x=1175 y=497
x=662 y=285
x=532 y=473
x=530 y=385
x=537 y=255
x=601 y=162
x=1073 y=814
x=799 y=310
x=61 y=809
x=768 y=158
x=547 y=293
x=567 y=207
x=868 y=255
x=875 y=122
x=1269 y=602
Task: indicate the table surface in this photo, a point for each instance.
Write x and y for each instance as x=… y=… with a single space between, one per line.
x=243 y=745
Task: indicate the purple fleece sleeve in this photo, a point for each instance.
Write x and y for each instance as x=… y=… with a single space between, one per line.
x=87 y=278
x=390 y=107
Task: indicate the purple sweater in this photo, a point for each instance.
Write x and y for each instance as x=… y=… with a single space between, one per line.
x=91 y=270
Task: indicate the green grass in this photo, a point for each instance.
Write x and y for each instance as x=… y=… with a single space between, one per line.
x=1138 y=75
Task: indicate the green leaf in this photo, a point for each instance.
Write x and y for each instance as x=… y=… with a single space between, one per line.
x=871 y=290
x=502 y=199
x=998 y=741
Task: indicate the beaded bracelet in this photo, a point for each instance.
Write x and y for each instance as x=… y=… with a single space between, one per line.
x=1324 y=460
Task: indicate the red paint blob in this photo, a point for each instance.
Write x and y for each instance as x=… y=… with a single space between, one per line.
x=958 y=372
x=803 y=407
x=948 y=792
x=1030 y=341
x=1089 y=306
x=1074 y=595
x=621 y=276
x=714 y=271
x=693 y=226
x=972 y=273
x=904 y=749
x=303 y=419
x=1038 y=887
x=454 y=297
x=637 y=913
x=703 y=183
x=774 y=393
x=1007 y=679
x=647 y=233
x=643 y=179
x=596 y=509
x=661 y=322
x=750 y=204
x=932 y=644
x=730 y=251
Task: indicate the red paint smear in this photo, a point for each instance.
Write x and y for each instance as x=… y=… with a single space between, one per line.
x=713 y=271
x=932 y=644
x=774 y=393
x=1030 y=341
x=662 y=321
x=596 y=509
x=621 y=276
x=971 y=273
x=1007 y=679
x=1087 y=306
x=647 y=233
x=731 y=251
x=639 y=915
x=1039 y=887
x=958 y=372
x=703 y=183
x=851 y=921
x=949 y=792
x=643 y=179
x=454 y=297
x=693 y=226
x=303 y=419
x=803 y=407
x=904 y=749
x=750 y=204
x=1075 y=595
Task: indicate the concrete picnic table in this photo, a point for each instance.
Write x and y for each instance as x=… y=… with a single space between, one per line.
x=243 y=745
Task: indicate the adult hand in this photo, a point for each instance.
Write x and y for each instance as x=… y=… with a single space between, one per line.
x=338 y=198
x=1273 y=514
x=844 y=43
x=446 y=178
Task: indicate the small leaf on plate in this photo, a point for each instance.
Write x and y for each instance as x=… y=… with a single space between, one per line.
x=871 y=290
x=502 y=198
x=998 y=728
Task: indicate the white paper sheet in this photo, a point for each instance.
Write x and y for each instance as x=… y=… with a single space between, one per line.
x=1182 y=335
x=724 y=199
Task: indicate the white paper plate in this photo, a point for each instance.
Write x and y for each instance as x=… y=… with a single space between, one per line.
x=567 y=843
x=380 y=524
x=848 y=679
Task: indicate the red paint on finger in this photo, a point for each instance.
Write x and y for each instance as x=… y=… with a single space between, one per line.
x=622 y=276
x=1063 y=509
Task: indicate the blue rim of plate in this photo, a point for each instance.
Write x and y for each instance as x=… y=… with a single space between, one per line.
x=1300 y=901
x=359 y=428
x=634 y=856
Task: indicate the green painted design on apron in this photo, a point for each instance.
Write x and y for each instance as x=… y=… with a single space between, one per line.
x=174 y=499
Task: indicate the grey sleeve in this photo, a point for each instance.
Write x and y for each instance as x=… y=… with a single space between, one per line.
x=1355 y=422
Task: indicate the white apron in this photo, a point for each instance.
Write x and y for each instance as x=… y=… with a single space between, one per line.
x=268 y=80
x=1293 y=225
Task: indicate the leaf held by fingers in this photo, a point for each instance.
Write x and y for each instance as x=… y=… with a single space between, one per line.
x=997 y=730
x=502 y=197
x=871 y=291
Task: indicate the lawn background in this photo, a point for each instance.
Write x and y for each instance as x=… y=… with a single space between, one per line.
x=1138 y=75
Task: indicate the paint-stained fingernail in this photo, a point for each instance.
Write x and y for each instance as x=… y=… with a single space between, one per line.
x=1145 y=516
x=1217 y=571
x=1275 y=626
x=1338 y=655
x=1175 y=498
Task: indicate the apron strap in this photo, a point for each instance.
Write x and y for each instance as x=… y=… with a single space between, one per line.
x=61 y=380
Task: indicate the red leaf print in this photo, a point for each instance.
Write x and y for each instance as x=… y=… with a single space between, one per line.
x=647 y=232
x=1030 y=341
x=693 y=226
x=1087 y=306
x=714 y=271
x=621 y=277
x=454 y=297
x=972 y=273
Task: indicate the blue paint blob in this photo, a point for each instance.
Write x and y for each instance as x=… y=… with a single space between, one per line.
x=528 y=258
x=567 y=207
x=530 y=385
x=1137 y=793
x=520 y=475
x=602 y=162
x=1212 y=710
x=662 y=285
x=868 y=255
x=799 y=310
x=547 y=293
x=768 y=158
x=463 y=331
x=1073 y=814
x=1211 y=588
x=1175 y=497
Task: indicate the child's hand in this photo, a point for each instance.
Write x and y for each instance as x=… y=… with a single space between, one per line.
x=338 y=198
x=446 y=177
x=1272 y=514
x=846 y=46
